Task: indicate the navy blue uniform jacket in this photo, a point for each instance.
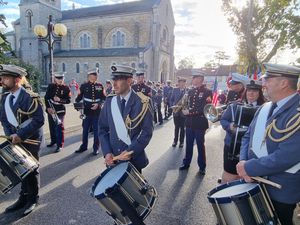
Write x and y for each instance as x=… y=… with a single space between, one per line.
x=140 y=136
x=34 y=129
x=281 y=155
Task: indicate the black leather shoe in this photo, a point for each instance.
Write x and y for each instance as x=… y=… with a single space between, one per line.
x=202 y=172
x=160 y=123
x=174 y=144
x=184 y=167
x=29 y=208
x=16 y=206
x=58 y=149
x=51 y=144
x=80 y=150
x=181 y=145
x=95 y=152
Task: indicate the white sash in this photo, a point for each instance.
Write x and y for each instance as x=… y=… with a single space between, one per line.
x=9 y=113
x=119 y=122
x=259 y=146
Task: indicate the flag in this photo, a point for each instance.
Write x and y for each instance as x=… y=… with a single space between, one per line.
x=215 y=92
x=255 y=75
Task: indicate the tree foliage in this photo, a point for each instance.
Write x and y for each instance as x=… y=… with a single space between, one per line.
x=186 y=63
x=263 y=28
x=217 y=60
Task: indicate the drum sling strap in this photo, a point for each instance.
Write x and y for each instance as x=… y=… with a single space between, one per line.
x=125 y=205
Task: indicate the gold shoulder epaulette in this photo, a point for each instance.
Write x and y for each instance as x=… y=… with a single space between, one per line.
x=144 y=98
x=32 y=94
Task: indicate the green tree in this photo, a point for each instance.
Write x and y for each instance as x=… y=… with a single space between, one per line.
x=186 y=63
x=263 y=28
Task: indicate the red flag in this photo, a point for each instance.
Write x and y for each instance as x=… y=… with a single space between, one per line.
x=255 y=75
x=215 y=98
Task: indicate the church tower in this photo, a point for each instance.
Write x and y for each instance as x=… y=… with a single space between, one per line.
x=33 y=12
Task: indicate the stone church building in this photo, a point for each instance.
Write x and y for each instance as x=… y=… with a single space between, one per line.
x=139 y=34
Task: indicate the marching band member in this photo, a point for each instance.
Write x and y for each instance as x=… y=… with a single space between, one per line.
x=236 y=88
x=196 y=123
x=22 y=117
x=270 y=147
x=108 y=87
x=92 y=94
x=140 y=86
x=178 y=117
x=167 y=91
x=57 y=95
x=157 y=100
x=253 y=97
x=125 y=123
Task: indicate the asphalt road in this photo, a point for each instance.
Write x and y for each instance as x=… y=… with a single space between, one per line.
x=66 y=179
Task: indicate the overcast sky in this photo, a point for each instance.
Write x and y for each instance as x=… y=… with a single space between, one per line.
x=201 y=27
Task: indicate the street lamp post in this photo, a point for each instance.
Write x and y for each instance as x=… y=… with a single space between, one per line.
x=53 y=33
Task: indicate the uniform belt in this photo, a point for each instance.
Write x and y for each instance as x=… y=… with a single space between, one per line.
x=60 y=111
x=55 y=103
x=91 y=100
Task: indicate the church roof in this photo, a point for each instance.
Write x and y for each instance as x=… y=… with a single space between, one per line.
x=121 y=8
x=104 y=52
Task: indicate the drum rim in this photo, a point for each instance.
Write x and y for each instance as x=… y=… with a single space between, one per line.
x=120 y=181
x=223 y=200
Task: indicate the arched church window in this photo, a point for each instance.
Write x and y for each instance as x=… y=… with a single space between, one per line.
x=85 y=41
x=63 y=67
x=118 y=39
x=29 y=15
x=97 y=65
x=77 y=68
x=165 y=34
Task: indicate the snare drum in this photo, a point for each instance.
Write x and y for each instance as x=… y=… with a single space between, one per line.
x=122 y=187
x=15 y=164
x=243 y=117
x=241 y=203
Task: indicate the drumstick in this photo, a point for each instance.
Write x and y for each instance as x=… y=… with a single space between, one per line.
x=115 y=158
x=265 y=181
x=27 y=141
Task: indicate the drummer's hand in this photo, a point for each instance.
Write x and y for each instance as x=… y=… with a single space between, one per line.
x=240 y=168
x=125 y=156
x=95 y=106
x=15 y=139
x=109 y=159
x=232 y=127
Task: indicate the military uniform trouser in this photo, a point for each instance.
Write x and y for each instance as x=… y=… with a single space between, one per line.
x=191 y=136
x=87 y=123
x=179 y=130
x=31 y=183
x=57 y=131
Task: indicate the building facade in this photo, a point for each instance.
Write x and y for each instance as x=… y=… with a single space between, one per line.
x=139 y=34
x=221 y=73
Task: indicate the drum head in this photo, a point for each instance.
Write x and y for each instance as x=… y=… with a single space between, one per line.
x=109 y=178
x=226 y=193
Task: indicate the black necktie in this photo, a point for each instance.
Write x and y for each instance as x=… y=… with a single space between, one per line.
x=274 y=105
x=123 y=101
x=11 y=101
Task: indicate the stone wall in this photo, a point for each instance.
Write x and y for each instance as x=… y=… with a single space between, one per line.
x=104 y=68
